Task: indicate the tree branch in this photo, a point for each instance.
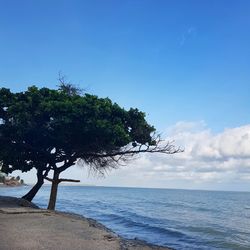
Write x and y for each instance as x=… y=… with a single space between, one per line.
x=48 y=179
x=68 y=180
x=60 y=180
x=67 y=164
x=166 y=149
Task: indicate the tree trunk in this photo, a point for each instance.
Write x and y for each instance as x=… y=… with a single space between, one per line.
x=31 y=194
x=53 y=192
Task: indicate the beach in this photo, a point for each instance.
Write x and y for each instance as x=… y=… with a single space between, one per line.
x=177 y=219
x=24 y=226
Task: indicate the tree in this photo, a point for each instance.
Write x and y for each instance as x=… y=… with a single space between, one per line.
x=52 y=130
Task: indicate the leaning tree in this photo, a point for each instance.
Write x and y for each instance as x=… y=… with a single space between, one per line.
x=52 y=130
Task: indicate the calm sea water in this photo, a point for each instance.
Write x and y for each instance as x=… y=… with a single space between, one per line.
x=181 y=219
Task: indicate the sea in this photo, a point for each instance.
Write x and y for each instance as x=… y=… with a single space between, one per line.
x=179 y=219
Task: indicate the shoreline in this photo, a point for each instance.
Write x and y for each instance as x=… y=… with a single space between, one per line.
x=124 y=242
x=26 y=226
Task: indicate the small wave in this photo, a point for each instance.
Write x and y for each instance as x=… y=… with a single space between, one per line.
x=128 y=222
x=205 y=230
x=149 y=219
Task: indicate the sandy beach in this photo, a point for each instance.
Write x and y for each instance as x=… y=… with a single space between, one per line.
x=23 y=226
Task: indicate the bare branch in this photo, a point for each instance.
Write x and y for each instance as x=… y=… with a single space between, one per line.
x=100 y=163
x=67 y=87
x=67 y=164
x=48 y=179
x=166 y=149
x=68 y=180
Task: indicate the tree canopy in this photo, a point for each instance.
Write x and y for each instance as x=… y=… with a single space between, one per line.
x=51 y=130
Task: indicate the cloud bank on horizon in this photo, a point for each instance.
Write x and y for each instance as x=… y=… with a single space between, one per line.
x=207 y=156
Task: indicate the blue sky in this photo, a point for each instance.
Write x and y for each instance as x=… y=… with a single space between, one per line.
x=176 y=60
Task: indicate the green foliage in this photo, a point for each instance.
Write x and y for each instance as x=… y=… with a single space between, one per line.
x=41 y=127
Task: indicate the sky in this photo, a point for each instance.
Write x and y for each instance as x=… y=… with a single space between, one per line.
x=184 y=63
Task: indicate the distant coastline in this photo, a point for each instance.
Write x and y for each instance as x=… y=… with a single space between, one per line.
x=10 y=181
